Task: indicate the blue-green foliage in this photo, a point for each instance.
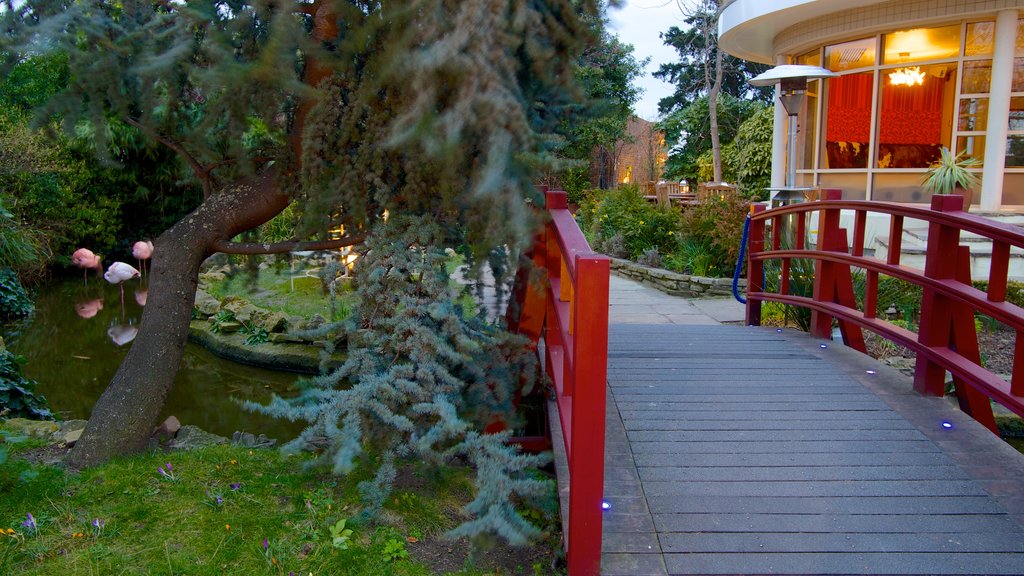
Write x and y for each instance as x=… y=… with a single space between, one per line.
x=14 y=301
x=421 y=381
x=18 y=398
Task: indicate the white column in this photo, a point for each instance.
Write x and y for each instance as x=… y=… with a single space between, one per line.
x=779 y=138
x=999 y=110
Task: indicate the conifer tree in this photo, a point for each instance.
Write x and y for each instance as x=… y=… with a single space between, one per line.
x=421 y=381
x=348 y=108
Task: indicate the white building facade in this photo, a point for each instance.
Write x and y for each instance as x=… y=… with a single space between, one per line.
x=914 y=76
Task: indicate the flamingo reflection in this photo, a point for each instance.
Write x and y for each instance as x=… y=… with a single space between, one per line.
x=122 y=334
x=88 y=308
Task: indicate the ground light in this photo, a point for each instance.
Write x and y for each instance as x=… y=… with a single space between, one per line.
x=947 y=425
x=605 y=505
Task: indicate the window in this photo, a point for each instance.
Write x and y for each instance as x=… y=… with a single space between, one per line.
x=848 y=121
x=921 y=44
x=915 y=120
x=850 y=55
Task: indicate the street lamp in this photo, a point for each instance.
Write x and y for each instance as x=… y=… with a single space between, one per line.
x=792 y=80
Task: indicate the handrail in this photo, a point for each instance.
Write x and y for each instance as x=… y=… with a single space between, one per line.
x=947 y=338
x=570 y=310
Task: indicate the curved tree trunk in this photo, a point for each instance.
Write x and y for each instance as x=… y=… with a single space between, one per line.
x=125 y=415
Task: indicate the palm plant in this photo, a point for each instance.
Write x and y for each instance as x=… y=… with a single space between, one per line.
x=950 y=172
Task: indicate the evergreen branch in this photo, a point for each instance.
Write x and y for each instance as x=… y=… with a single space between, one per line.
x=202 y=173
x=254 y=248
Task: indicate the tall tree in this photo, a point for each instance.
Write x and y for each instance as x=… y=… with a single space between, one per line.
x=348 y=107
x=607 y=71
x=704 y=70
x=697 y=47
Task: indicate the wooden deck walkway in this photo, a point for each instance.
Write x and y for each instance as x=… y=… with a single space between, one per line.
x=736 y=450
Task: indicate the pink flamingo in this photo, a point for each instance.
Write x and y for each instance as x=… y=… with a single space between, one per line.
x=86 y=260
x=118 y=273
x=142 y=251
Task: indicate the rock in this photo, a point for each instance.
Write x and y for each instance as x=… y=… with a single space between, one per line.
x=244 y=312
x=70 y=438
x=72 y=425
x=206 y=304
x=275 y=322
x=167 y=429
x=229 y=327
x=247 y=440
x=211 y=277
x=191 y=437
x=283 y=338
x=34 y=428
x=315 y=322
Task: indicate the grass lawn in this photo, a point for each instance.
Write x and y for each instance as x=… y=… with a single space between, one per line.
x=304 y=296
x=232 y=510
x=275 y=290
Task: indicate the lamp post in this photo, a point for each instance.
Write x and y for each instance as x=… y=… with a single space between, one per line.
x=792 y=80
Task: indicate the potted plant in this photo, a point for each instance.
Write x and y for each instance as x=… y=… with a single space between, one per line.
x=951 y=174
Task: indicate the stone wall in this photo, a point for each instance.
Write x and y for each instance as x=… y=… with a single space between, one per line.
x=676 y=284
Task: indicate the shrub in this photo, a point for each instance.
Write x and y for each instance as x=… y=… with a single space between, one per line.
x=18 y=398
x=14 y=301
x=716 y=226
x=625 y=212
x=651 y=257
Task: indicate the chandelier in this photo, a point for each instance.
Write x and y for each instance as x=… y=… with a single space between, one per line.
x=907 y=76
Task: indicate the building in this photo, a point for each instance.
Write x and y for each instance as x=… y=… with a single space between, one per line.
x=914 y=76
x=637 y=158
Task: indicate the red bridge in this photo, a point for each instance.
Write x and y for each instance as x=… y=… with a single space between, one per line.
x=686 y=449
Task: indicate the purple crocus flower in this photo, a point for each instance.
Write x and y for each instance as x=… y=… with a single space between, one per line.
x=219 y=500
x=169 y=467
x=30 y=522
x=236 y=485
x=96 y=522
x=265 y=544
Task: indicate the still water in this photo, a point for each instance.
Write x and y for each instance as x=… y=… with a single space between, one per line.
x=79 y=334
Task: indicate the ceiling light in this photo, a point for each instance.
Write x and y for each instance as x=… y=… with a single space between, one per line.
x=906 y=76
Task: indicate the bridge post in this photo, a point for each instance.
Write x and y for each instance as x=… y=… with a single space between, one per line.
x=586 y=475
x=755 y=268
x=936 y=313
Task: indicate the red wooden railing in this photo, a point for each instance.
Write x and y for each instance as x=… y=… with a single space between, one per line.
x=947 y=337
x=570 y=307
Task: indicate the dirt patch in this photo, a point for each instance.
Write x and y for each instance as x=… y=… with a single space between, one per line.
x=444 y=556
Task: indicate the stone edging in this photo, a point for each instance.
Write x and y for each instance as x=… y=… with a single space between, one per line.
x=291 y=357
x=676 y=284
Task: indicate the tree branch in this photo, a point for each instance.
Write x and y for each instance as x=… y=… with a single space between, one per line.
x=255 y=248
x=202 y=173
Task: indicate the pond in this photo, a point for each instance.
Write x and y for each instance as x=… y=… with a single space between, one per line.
x=79 y=334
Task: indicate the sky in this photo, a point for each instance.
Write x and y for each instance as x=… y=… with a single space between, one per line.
x=639 y=22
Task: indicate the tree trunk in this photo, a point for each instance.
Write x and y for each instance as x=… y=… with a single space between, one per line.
x=716 y=144
x=125 y=415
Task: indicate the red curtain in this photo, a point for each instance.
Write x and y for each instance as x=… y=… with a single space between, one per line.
x=849 y=108
x=912 y=114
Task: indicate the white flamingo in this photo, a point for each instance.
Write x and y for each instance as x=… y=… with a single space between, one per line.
x=118 y=273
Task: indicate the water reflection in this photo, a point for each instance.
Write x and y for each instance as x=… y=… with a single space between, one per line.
x=88 y=308
x=122 y=334
x=141 y=295
x=74 y=350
